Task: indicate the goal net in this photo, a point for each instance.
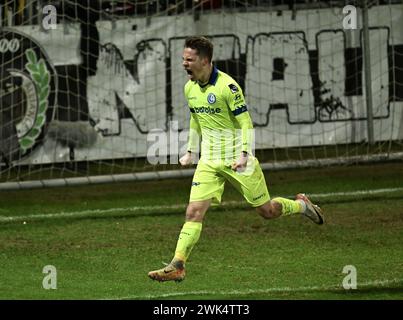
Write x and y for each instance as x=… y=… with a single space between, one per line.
x=92 y=91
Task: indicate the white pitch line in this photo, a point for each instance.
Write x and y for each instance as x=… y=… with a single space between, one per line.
x=360 y=285
x=100 y=212
x=86 y=213
x=354 y=193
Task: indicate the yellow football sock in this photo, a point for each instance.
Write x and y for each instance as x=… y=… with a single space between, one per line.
x=188 y=237
x=288 y=206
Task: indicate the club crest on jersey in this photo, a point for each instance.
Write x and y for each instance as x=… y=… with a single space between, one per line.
x=211 y=98
x=233 y=88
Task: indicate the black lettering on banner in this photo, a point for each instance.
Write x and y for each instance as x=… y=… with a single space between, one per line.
x=278 y=69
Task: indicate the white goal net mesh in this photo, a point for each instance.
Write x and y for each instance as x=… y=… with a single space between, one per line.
x=93 y=90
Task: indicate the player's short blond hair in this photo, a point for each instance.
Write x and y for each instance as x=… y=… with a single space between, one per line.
x=202 y=45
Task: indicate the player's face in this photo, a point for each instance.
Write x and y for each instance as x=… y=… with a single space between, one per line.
x=193 y=64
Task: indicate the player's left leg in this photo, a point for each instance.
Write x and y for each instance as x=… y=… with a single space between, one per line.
x=282 y=206
x=279 y=206
x=252 y=185
x=269 y=210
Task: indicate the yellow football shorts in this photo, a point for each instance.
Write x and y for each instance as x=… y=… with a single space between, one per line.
x=210 y=176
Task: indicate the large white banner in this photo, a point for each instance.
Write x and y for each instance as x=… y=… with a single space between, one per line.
x=303 y=77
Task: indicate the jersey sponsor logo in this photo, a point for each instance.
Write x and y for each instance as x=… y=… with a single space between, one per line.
x=207 y=110
x=233 y=88
x=211 y=98
x=195 y=184
x=238 y=97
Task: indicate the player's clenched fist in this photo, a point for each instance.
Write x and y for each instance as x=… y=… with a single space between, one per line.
x=186 y=159
x=240 y=164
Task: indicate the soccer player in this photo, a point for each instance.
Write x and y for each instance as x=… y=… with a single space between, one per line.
x=219 y=114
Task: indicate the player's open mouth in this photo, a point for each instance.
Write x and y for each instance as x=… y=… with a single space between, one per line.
x=189 y=72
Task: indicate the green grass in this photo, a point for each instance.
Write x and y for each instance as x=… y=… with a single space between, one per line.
x=239 y=255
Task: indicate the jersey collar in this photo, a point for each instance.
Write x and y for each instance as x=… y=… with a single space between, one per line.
x=213 y=77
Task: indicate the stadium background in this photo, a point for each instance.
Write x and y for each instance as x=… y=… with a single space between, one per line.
x=83 y=103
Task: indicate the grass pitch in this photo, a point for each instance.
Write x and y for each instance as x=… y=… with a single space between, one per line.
x=103 y=240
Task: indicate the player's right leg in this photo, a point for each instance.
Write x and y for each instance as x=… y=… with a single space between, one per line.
x=207 y=187
x=188 y=237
